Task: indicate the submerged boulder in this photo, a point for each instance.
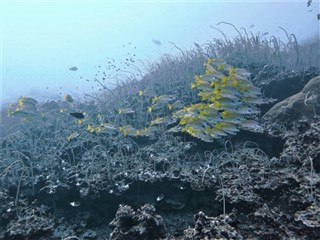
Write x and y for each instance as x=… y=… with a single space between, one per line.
x=303 y=105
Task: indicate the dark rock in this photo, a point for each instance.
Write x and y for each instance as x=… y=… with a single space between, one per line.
x=223 y=227
x=142 y=224
x=283 y=85
x=304 y=105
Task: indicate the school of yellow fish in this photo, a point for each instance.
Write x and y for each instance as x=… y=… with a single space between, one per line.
x=228 y=104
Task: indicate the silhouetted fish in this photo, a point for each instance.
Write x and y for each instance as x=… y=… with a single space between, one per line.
x=157 y=42
x=309 y=3
x=197 y=45
x=73 y=69
x=77 y=115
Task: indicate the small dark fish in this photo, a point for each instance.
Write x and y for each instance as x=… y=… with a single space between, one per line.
x=318 y=16
x=197 y=45
x=157 y=42
x=309 y=3
x=68 y=98
x=251 y=26
x=77 y=115
x=73 y=69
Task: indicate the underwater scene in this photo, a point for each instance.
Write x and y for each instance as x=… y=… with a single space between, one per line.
x=149 y=120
